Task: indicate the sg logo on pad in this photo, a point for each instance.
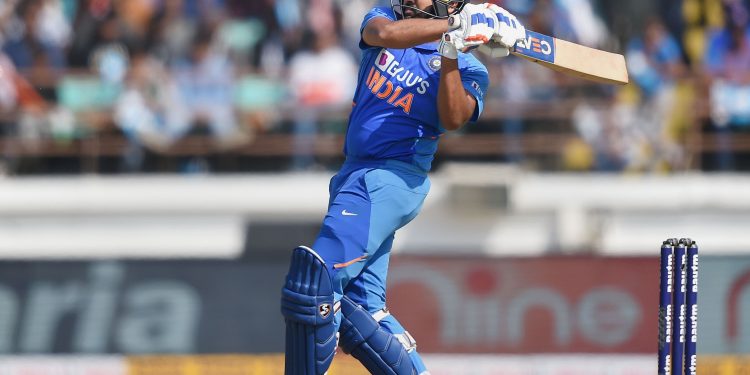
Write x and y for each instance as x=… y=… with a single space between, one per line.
x=324 y=310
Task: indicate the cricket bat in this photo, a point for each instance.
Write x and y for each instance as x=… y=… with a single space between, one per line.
x=571 y=58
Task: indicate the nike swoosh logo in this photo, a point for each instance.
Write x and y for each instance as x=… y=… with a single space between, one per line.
x=349 y=263
x=347 y=213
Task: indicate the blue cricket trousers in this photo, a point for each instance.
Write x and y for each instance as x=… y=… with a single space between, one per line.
x=369 y=201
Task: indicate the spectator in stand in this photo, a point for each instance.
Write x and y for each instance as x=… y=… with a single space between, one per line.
x=169 y=32
x=35 y=117
x=148 y=111
x=654 y=59
x=8 y=93
x=727 y=64
x=37 y=35
x=263 y=10
x=205 y=84
x=351 y=25
x=8 y=104
x=90 y=15
x=7 y=8
x=321 y=79
x=655 y=64
x=110 y=55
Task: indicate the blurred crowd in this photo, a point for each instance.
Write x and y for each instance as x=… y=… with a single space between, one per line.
x=156 y=71
x=692 y=71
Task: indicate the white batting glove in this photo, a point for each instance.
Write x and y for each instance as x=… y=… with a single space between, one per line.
x=494 y=49
x=473 y=26
x=508 y=30
x=448 y=44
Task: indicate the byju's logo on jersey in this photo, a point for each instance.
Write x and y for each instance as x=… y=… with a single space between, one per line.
x=384 y=60
x=390 y=81
x=388 y=64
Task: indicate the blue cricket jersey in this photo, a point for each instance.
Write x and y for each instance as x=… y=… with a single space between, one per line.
x=395 y=114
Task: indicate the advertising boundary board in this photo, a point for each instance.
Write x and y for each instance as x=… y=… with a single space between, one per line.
x=440 y=364
x=458 y=305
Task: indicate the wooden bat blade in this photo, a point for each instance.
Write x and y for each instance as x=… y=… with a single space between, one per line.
x=571 y=58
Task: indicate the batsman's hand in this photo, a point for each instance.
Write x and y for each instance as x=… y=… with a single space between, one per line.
x=448 y=44
x=494 y=49
x=473 y=26
x=508 y=30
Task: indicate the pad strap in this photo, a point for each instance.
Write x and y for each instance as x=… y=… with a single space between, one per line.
x=407 y=341
x=405 y=338
x=380 y=351
x=381 y=314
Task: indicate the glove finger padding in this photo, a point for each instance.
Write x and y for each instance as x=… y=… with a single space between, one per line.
x=508 y=30
x=476 y=24
x=494 y=49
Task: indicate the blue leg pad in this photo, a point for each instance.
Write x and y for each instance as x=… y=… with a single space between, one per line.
x=308 y=310
x=376 y=348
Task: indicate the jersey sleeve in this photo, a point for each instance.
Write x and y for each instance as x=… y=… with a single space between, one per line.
x=374 y=13
x=476 y=80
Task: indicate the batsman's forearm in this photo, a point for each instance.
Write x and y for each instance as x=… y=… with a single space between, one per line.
x=405 y=33
x=455 y=106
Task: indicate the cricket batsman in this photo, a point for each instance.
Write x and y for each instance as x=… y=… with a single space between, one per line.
x=415 y=82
